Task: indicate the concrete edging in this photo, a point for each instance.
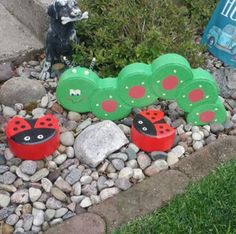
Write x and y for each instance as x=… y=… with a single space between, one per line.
x=157 y=190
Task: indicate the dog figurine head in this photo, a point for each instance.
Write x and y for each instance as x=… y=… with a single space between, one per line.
x=64 y=8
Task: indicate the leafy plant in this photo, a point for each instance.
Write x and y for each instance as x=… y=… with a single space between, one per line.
x=120 y=32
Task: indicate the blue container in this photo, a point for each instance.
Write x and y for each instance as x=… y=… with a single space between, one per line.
x=220 y=34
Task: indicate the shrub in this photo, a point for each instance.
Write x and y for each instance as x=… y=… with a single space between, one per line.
x=120 y=32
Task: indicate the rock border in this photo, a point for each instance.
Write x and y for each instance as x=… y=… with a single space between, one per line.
x=154 y=192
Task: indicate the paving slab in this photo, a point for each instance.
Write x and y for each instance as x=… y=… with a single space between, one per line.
x=86 y=223
x=15 y=39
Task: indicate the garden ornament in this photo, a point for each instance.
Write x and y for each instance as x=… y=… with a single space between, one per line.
x=151 y=133
x=61 y=33
x=33 y=139
x=220 y=33
x=169 y=77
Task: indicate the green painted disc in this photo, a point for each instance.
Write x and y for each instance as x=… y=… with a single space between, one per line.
x=75 y=87
x=170 y=72
x=202 y=89
x=134 y=87
x=207 y=113
x=106 y=102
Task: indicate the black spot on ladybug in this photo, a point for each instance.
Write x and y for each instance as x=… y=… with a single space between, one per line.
x=48 y=119
x=50 y=125
x=23 y=126
x=144 y=126
x=42 y=123
x=17 y=122
x=34 y=136
x=15 y=129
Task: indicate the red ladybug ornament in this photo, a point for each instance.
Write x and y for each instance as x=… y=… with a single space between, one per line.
x=33 y=139
x=150 y=132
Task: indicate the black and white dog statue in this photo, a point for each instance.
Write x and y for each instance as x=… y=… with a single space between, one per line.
x=61 y=32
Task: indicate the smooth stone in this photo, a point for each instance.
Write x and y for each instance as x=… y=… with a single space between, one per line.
x=28 y=167
x=210 y=139
x=53 y=175
x=8 y=154
x=156 y=155
x=50 y=214
x=39 y=175
x=123 y=183
x=74 y=116
x=3 y=169
x=4 y=200
x=53 y=203
x=8 y=111
x=77 y=189
x=131 y=153
x=8 y=188
x=121 y=156
x=228 y=124
x=125 y=129
x=138 y=174
x=63 y=185
x=73 y=176
x=118 y=164
x=98 y=141
x=12 y=219
x=60 y=159
x=15 y=90
x=61 y=212
x=19 y=223
x=86 y=202
x=6 y=211
x=68 y=215
x=109 y=192
x=144 y=160
x=38 y=217
x=95 y=175
x=36 y=229
x=8 y=229
x=86 y=179
x=84 y=125
x=95 y=199
x=44 y=101
x=132 y=163
x=198 y=145
x=67 y=138
x=56 y=221
x=46 y=184
x=21 y=196
x=26 y=208
x=2 y=160
x=90 y=189
x=172 y=158
x=77 y=199
x=27 y=221
x=178 y=150
x=70 y=152
x=34 y=194
x=22 y=175
x=101 y=183
x=126 y=172
x=156 y=167
x=39 y=205
x=58 y=194
x=216 y=127
x=68 y=163
x=196 y=136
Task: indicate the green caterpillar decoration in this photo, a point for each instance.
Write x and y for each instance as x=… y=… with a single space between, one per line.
x=169 y=77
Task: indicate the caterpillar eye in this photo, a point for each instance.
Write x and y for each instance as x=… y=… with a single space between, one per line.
x=140 y=122
x=40 y=137
x=27 y=138
x=144 y=129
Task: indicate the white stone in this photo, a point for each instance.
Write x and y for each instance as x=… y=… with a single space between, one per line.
x=34 y=194
x=86 y=179
x=74 y=116
x=197 y=145
x=126 y=172
x=77 y=189
x=8 y=154
x=197 y=136
x=98 y=141
x=132 y=163
x=60 y=159
x=60 y=212
x=86 y=202
x=172 y=158
x=8 y=111
x=44 y=101
x=38 y=217
x=138 y=174
x=67 y=138
x=4 y=200
x=38 y=112
x=178 y=151
x=109 y=192
x=46 y=184
x=70 y=152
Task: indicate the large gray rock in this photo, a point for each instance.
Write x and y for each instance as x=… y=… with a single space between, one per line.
x=21 y=90
x=98 y=141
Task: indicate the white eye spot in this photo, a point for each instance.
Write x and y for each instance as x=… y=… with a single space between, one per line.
x=27 y=138
x=144 y=129
x=75 y=92
x=40 y=137
x=140 y=122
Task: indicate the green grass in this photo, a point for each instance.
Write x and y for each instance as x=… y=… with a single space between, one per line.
x=207 y=207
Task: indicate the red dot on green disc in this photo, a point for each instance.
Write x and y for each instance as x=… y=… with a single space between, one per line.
x=137 y=92
x=207 y=116
x=196 y=95
x=170 y=82
x=109 y=105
